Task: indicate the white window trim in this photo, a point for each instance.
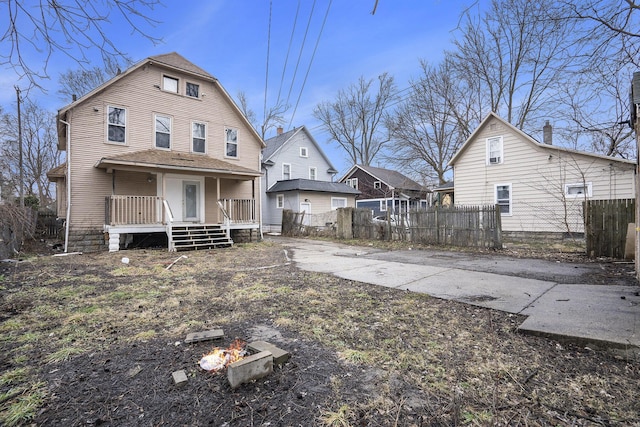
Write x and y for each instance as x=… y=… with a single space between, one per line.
x=168 y=77
x=586 y=185
x=495 y=195
x=283 y=165
x=155 y=118
x=351 y=181
x=110 y=124
x=383 y=205
x=377 y=185
x=279 y=201
x=193 y=137
x=501 y=158
x=186 y=92
x=304 y=152
x=226 y=143
x=333 y=199
x=313 y=176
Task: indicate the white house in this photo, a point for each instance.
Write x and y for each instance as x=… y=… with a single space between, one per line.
x=540 y=187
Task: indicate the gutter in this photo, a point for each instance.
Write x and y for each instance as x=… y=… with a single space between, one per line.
x=68 y=216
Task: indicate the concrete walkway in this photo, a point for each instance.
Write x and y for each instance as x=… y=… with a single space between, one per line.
x=555 y=302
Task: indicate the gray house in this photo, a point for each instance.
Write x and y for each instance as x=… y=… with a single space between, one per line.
x=297 y=175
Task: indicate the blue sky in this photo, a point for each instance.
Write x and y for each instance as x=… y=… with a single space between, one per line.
x=228 y=38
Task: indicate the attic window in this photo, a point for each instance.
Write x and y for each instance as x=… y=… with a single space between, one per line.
x=377 y=185
x=170 y=84
x=352 y=182
x=193 y=90
x=494 y=150
x=304 y=152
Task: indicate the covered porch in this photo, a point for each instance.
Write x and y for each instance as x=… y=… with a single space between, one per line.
x=198 y=201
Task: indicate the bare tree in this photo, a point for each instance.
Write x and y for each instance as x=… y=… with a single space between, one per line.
x=512 y=56
x=82 y=81
x=39 y=150
x=32 y=33
x=426 y=126
x=274 y=116
x=356 y=119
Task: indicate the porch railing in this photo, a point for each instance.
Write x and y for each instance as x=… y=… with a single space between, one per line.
x=154 y=210
x=133 y=210
x=239 y=211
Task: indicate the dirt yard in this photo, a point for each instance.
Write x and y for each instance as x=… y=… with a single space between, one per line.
x=90 y=340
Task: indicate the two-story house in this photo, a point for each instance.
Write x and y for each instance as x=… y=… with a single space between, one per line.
x=297 y=175
x=539 y=187
x=384 y=190
x=159 y=148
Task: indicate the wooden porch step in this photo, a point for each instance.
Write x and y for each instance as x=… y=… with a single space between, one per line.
x=199 y=236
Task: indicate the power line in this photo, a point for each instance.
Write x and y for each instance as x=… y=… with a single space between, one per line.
x=324 y=21
x=301 y=49
x=286 y=60
x=266 y=79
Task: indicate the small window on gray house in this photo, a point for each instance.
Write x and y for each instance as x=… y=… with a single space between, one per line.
x=377 y=185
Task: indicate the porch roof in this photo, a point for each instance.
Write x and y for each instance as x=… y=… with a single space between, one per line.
x=174 y=161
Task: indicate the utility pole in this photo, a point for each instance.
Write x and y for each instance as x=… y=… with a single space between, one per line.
x=20 y=149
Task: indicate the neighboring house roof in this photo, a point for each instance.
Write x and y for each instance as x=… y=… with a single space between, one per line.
x=169 y=60
x=312 y=185
x=447 y=186
x=275 y=144
x=391 y=178
x=160 y=159
x=528 y=139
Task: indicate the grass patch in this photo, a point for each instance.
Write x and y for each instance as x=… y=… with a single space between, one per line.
x=22 y=408
x=14 y=376
x=63 y=354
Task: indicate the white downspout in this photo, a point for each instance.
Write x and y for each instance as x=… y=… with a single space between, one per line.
x=68 y=216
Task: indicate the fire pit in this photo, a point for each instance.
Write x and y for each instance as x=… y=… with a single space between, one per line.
x=219 y=358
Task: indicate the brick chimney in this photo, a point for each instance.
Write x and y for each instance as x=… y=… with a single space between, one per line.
x=280 y=130
x=547 y=134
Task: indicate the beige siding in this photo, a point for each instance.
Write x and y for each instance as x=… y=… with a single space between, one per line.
x=136 y=93
x=537 y=176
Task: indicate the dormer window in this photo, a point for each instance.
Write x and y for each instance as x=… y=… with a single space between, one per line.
x=494 y=150
x=170 y=84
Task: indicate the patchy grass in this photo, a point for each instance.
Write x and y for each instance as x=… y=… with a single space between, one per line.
x=361 y=354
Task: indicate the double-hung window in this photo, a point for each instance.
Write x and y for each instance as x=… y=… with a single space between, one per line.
x=280 y=201
x=198 y=137
x=313 y=173
x=352 y=182
x=286 y=171
x=117 y=125
x=503 y=198
x=163 y=131
x=231 y=142
x=494 y=151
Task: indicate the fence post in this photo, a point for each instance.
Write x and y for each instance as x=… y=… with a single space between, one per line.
x=498 y=235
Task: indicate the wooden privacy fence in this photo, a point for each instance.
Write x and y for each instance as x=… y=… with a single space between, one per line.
x=468 y=226
x=605 y=224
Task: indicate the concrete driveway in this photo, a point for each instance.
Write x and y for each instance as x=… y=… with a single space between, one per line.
x=553 y=295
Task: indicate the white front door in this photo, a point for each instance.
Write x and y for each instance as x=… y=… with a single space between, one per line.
x=185 y=198
x=191 y=201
